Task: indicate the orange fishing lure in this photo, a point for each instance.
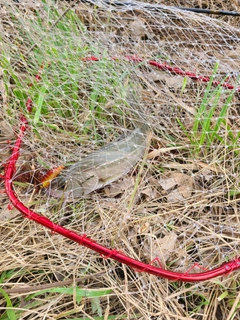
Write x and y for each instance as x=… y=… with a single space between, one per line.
x=50 y=175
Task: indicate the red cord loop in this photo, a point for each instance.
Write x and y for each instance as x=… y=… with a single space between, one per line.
x=139 y=266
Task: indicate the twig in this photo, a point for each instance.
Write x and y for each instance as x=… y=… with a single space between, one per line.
x=28 y=289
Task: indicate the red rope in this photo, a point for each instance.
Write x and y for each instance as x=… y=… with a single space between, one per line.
x=139 y=266
x=91 y=244
x=174 y=70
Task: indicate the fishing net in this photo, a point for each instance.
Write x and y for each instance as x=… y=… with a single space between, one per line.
x=135 y=107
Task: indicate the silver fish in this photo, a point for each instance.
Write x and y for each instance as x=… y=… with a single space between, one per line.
x=103 y=166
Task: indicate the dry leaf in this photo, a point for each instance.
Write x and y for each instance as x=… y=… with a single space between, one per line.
x=175 y=196
x=174 y=82
x=137 y=28
x=8 y=214
x=150 y=192
x=119 y=186
x=184 y=185
x=168 y=184
x=163 y=248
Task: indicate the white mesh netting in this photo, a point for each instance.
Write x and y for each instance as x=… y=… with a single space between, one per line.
x=168 y=186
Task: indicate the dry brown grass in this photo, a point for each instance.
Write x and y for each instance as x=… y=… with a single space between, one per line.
x=182 y=213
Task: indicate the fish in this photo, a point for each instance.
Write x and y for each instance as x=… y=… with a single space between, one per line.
x=102 y=167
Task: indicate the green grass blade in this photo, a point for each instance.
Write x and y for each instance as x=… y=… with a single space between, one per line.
x=80 y=293
x=10 y=313
x=39 y=105
x=202 y=109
